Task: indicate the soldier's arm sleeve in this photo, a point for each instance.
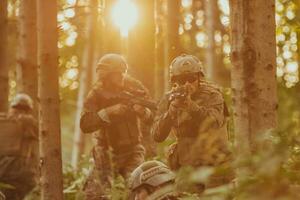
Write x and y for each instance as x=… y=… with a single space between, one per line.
x=211 y=112
x=93 y=116
x=30 y=125
x=134 y=83
x=162 y=123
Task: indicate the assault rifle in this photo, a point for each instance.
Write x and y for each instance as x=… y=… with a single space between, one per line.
x=130 y=98
x=179 y=93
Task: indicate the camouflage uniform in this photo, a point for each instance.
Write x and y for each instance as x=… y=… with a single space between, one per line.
x=147 y=141
x=20 y=170
x=118 y=148
x=200 y=128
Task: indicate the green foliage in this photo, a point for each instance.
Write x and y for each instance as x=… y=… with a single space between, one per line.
x=162 y=149
x=263 y=175
x=118 y=190
x=6 y=186
x=74 y=179
x=268 y=173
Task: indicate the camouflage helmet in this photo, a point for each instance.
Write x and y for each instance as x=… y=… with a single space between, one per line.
x=111 y=63
x=151 y=173
x=22 y=100
x=185 y=64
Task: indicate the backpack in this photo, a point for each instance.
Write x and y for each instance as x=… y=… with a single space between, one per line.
x=11 y=136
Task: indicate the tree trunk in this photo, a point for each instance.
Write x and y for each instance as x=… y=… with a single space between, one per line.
x=254 y=67
x=173 y=42
x=4 y=87
x=214 y=57
x=27 y=69
x=141 y=49
x=159 y=56
x=50 y=136
x=86 y=76
x=27 y=61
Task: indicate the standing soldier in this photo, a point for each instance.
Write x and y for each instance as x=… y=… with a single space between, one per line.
x=195 y=111
x=118 y=148
x=18 y=158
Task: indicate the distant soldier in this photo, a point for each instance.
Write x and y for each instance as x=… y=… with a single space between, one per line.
x=18 y=158
x=118 y=148
x=195 y=111
x=153 y=180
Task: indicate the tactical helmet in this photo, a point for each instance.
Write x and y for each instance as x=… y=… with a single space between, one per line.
x=151 y=173
x=22 y=100
x=111 y=63
x=185 y=64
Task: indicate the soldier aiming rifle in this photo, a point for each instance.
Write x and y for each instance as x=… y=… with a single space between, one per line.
x=195 y=111
x=115 y=114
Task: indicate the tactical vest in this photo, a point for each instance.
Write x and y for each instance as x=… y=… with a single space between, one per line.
x=122 y=135
x=11 y=136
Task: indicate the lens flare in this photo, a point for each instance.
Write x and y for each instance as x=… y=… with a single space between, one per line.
x=124 y=15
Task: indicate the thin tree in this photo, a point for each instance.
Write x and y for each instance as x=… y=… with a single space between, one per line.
x=173 y=47
x=4 y=87
x=86 y=75
x=50 y=136
x=27 y=61
x=214 y=57
x=27 y=69
x=253 y=73
x=159 y=53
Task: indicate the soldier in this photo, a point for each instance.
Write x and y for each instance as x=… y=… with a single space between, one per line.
x=153 y=180
x=118 y=148
x=195 y=111
x=19 y=138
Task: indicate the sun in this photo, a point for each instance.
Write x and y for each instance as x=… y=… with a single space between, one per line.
x=124 y=15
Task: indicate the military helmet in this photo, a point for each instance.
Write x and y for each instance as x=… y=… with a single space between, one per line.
x=22 y=100
x=151 y=173
x=111 y=63
x=185 y=64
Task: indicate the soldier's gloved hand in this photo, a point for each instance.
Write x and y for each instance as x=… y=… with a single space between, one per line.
x=174 y=108
x=141 y=111
x=115 y=110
